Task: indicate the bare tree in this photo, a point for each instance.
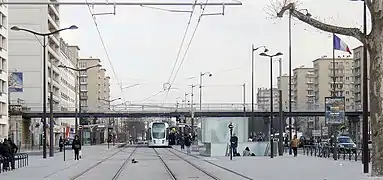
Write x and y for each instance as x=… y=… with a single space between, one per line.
x=374 y=44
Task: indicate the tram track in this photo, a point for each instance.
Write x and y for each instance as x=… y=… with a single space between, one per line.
x=173 y=175
x=216 y=165
x=122 y=167
x=116 y=175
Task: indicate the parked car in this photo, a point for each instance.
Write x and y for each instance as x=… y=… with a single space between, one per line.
x=68 y=142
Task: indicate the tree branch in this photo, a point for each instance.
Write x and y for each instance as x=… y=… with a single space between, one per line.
x=354 y=32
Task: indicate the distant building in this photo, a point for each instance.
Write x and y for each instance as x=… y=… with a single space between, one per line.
x=95 y=97
x=283 y=85
x=263 y=99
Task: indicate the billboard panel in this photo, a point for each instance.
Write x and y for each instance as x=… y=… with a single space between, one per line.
x=16 y=82
x=335 y=110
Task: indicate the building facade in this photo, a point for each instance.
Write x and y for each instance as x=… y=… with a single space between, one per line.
x=95 y=97
x=303 y=89
x=26 y=56
x=69 y=94
x=4 y=120
x=283 y=84
x=324 y=84
x=263 y=99
x=358 y=76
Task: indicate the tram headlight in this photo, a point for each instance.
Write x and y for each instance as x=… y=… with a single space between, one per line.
x=163 y=141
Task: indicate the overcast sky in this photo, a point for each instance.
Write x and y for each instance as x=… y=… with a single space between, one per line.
x=142 y=45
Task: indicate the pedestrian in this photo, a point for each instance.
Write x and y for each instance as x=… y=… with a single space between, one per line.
x=76 y=146
x=294 y=145
x=182 y=142
x=234 y=144
x=188 y=142
x=61 y=144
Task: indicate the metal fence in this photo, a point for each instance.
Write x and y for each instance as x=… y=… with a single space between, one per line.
x=18 y=161
x=345 y=153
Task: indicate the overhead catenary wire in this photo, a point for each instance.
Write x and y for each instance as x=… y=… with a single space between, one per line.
x=187 y=49
x=106 y=50
x=182 y=41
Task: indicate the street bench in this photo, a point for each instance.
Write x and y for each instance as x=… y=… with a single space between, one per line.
x=21 y=160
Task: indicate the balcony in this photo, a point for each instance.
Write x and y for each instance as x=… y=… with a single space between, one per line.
x=55 y=40
x=53 y=53
x=54 y=10
x=53 y=23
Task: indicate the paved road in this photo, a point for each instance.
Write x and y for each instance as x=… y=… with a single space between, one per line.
x=116 y=163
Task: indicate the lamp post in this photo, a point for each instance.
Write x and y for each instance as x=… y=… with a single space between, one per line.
x=78 y=115
x=109 y=124
x=252 y=82
x=51 y=123
x=200 y=87
x=230 y=126
x=365 y=97
x=280 y=142
x=290 y=75
x=271 y=99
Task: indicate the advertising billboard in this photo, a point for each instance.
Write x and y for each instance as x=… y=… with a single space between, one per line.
x=335 y=110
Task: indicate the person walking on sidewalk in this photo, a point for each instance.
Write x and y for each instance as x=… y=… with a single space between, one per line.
x=76 y=146
x=188 y=142
x=294 y=145
x=61 y=144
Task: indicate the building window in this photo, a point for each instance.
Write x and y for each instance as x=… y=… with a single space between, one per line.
x=83 y=87
x=84 y=103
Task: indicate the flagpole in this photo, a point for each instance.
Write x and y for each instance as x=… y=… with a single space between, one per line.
x=365 y=150
x=333 y=63
x=333 y=126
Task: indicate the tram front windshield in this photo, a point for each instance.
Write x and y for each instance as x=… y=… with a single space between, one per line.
x=158 y=131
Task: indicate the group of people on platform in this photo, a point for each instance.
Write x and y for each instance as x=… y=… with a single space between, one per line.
x=8 y=149
x=246 y=152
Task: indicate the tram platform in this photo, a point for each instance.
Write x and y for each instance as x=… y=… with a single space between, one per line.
x=117 y=163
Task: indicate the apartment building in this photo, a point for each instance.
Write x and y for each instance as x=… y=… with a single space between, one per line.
x=303 y=89
x=283 y=84
x=358 y=76
x=4 y=121
x=263 y=99
x=95 y=96
x=25 y=54
x=324 y=85
x=68 y=92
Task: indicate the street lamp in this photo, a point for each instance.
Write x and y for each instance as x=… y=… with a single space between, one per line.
x=200 y=87
x=230 y=126
x=252 y=82
x=109 y=124
x=78 y=114
x=280 y=142
x=290 y=71
x=271 y=99
x=51 y=123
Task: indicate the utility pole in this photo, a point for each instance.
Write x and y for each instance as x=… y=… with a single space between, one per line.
x=192 y=110
x=280 y=143
x=244 y=99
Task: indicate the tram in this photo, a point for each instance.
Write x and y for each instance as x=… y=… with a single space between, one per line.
x=158 y=134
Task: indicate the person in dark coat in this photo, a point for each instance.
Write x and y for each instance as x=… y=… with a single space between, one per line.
x=76 y=146
x=61 y=144
x=188 y=142
x=234 y=144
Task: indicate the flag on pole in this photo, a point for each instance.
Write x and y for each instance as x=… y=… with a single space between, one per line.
x=340 y=45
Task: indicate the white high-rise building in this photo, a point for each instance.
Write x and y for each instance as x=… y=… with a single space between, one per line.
x=26 y=56
x=68 y=80
x=4 y=124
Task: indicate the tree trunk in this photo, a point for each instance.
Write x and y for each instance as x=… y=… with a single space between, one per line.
x=376 y=98
x=374 y=45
